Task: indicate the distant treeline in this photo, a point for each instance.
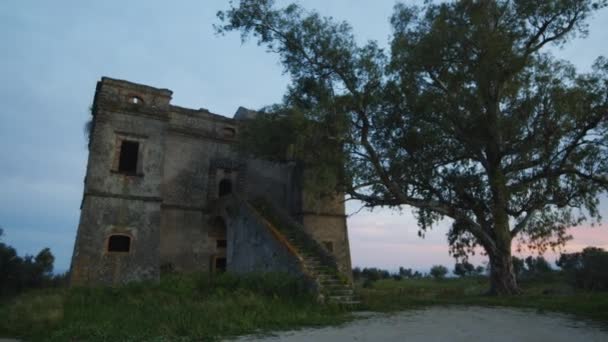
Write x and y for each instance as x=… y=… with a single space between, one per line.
x=585 y=270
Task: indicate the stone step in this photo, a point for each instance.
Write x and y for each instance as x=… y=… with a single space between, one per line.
x=340 y=299
x=344 y=292
x=331 y=283
x=350 y=303
x=329 y=278
x=327 y=275
x=314 y=263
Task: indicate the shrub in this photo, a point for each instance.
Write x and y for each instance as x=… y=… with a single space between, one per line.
x=438 y=272
x=20 y=273
x=464 y=269
x=537 y=266
x=587 y=269
x=406 y=272
x=518 y=267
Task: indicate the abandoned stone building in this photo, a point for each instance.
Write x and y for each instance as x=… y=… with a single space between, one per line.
x=166 y=190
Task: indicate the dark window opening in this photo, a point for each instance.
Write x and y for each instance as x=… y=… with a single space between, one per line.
x=129 y=151
x=119 y=243
x=220 y=265
x=329 y=245
x=225 y=187
x=218 y=228
x=221 y=243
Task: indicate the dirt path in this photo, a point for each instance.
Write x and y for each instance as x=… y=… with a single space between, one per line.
x=452 y=324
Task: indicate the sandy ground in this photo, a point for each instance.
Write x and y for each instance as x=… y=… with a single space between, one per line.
x=452 y=324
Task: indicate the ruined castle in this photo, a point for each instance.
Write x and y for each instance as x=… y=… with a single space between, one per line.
x=166 y=191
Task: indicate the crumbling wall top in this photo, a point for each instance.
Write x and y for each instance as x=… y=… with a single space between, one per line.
x=124 y=91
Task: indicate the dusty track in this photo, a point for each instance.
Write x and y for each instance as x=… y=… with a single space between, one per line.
x=452 y=324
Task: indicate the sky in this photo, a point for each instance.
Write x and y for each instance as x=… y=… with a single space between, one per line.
x=54 y=52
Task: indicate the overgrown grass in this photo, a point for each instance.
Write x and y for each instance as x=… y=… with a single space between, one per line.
x=185 y=308
x=180 y=308
x=548 y=294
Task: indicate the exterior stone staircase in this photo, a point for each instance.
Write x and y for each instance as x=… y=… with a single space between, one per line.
x=317 y=263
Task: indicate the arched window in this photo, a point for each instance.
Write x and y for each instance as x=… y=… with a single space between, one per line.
x=225 y=187
x=136 y=100
x=119 y=243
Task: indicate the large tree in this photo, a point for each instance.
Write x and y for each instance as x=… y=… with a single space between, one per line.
x=468 y=116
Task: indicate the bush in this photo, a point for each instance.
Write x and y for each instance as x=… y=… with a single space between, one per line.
x=531 y=268
x=18 y=274
x=438 y=272
x=464 y=269
x=406 y=272
x=587 y=270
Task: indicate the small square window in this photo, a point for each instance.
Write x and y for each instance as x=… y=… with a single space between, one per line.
x=129 y=152
x=119 y=243
x=220 y=243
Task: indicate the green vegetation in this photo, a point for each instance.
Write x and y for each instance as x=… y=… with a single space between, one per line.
x=552 y=293
x=466 y=115
x=438 y=272
x=18 y=274
x=181 y=308
x=586 y=270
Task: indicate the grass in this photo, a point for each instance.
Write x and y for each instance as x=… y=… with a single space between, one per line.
x=180 y=308
x=186 y=308
x=549 y=294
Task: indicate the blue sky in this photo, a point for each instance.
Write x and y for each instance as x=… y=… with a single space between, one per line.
x=53 y=53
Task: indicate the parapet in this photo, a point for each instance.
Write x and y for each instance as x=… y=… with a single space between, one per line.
x=120 y=91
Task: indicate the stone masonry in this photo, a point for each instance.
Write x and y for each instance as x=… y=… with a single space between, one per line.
x=155 y=175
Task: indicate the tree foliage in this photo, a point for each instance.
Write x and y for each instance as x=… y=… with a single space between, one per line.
x=466 y=116
x=586 y=269
x=20 y=273
x=464 y=269
x=438 y=272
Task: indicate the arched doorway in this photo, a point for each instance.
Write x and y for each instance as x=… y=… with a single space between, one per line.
x=225 y=187
x=218 y=237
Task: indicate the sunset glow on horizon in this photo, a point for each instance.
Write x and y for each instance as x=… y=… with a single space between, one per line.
x=389 y=240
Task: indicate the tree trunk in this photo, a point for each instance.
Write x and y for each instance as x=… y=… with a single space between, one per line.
x=502 y=277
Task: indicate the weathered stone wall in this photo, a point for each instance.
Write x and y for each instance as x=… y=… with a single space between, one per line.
x=330 y=228
x=252 y=247
x=117 y=203
x=101 y=217
x=166 y=206
x=324 y=218
x=272 y=181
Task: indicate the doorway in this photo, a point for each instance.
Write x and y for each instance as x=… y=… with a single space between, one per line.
x=219 y=244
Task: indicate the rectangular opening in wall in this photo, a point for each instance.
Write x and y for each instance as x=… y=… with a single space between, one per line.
x=220 y=243
x=220 y=265
x=129 y=151
x=119 y=243
x=329 y=245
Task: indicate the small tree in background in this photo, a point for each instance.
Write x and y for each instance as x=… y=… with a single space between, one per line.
x=464 y=269
x=18 y=274
x=587 y=269
x=537 y=266
x=439 y=272
x=519 y=267
x=406 y=272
